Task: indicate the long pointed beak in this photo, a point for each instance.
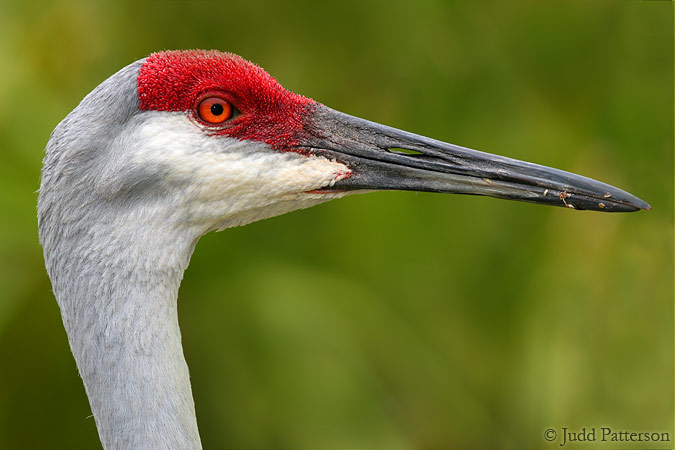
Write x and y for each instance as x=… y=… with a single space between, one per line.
x=385 y=158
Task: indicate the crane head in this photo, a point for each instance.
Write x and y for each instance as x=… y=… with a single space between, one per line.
x=220 y=142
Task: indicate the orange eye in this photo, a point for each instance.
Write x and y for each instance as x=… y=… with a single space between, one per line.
x=214 y=110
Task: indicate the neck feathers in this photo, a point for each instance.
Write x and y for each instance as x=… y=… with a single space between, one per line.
x=115 y=273
x=121 y=318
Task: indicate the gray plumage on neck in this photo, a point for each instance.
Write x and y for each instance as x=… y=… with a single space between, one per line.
x=116 y=259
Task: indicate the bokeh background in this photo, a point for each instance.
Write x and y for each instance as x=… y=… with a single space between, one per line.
x=389 y=320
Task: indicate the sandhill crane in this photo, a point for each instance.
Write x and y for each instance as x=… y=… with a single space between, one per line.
x=184 y=142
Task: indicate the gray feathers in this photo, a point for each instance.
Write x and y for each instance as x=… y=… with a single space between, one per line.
x=116 y=274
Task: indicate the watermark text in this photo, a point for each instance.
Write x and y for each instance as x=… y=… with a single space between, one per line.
x=564 y=436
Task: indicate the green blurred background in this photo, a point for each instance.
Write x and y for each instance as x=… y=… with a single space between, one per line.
x=390 y=320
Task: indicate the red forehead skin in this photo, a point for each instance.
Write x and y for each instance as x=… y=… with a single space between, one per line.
x=174 y=81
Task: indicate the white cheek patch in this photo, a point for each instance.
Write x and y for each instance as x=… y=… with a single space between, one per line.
x=225 y=181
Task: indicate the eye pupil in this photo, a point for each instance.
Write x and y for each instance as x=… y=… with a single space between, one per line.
x=217 y=109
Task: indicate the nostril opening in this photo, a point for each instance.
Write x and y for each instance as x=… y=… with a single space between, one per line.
x=404 y=151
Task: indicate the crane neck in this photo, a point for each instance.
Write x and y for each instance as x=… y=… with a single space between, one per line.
x=120 y=314
x=115 y=249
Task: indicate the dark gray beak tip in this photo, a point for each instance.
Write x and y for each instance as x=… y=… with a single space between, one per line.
x=632 y=206
x=595 y=196
x=641 y=204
